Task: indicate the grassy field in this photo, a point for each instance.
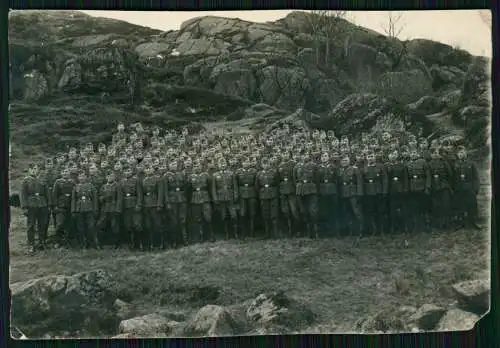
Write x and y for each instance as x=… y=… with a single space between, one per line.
x=340 y=283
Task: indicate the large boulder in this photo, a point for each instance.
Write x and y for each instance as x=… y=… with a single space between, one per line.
x=283 y=87
x=473 y=295
x=239 y=83
x=432 y=52
x=198 y=73
x=211 y=321
x=405 y=86
x=366 y=63
x=451 y=100
x=476 y=84
x=324 y=94
x=82 y=302
x=358 y=112
x=446 y=77
x=71 y=77
x=457 y=320
x=425 y=106
x=36 y=86
x=203 y=46
x=150 y=325
x=427 y=317
x=279 y=311
x=297 y=121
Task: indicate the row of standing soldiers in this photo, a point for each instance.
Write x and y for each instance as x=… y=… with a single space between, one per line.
x=152 y=203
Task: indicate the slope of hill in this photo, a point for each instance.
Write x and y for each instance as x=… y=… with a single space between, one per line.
x=73 y=67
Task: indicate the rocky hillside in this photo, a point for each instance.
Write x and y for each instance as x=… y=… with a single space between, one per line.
x=77 y=75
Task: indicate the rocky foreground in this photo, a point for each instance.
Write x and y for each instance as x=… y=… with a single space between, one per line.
x=85 y=302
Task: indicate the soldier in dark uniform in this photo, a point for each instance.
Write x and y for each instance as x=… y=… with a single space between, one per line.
x=466 y=184
x=61 y=198
x=351 y=192
x=327 y=174
x=176 y=203
x=397 y=173
x=245 y=178
x=132 y=194
x=35 y=201
x=201 y=208
x=153 y=203
x=419 y=190
x=225 y=194
x=84 y=207
x=441 y=190
x=306 y=190
x=50 y=175
x=110 y=206
x=375 y=190
x=267 y=188
x=288 y=199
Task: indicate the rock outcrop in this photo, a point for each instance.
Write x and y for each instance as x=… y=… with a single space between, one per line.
x=82 y=302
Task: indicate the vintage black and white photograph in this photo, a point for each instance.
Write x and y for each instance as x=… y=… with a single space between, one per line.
x=192 y=174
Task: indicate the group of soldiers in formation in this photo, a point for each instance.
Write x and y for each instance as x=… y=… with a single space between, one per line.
x=148 y=190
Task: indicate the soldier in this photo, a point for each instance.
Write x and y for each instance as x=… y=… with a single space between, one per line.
x=50 y=175
x=225 y=194
x=441 y=190
x=176 y=203
x=110 y=203
x=419 y=190
x=61 y=198
x=84 y=207
x=375 y=190
x=245 y=178
x=152 y=205
x=201 y=208
x=267 y=188
x=132 y=208
x=351 y=190
x=466 y=184
x=328 y=194
x=397 y=173
x=306 y=191
x=35 y=201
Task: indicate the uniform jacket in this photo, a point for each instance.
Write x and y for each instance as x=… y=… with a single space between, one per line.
x=286 y=178
x=328 y=180
x=224 y=186
x=132 y=193
x=35 y=193
x=153 y=191
x=397 y=174
x=61 y=194
x=267 y=184
x=441 y=174
x=419 y=176
x=98 y=180
x=84 y=198
x=466 y=176
x=174 y=188
x=351 y=182
x=111 y=198
x=200 y=188
x=306 y=180
x=246 y=183
x=50 y=177
x=374 y=180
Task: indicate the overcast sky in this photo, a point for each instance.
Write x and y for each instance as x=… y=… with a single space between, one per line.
x=464 y=28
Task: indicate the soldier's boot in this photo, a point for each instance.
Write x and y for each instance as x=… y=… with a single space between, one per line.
x=315 y=229
x=226 y=229
x=289 y=225
x=211 y=232
x=185 y=240
x=235 y=229
x=276 y=230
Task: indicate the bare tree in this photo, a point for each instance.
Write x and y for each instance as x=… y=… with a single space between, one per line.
x=393 y=26
x=326 y=25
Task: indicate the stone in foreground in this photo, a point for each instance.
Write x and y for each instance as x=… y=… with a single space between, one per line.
x=457 y=320
x=150 y=325
x=473 y=295
x=211 y=321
